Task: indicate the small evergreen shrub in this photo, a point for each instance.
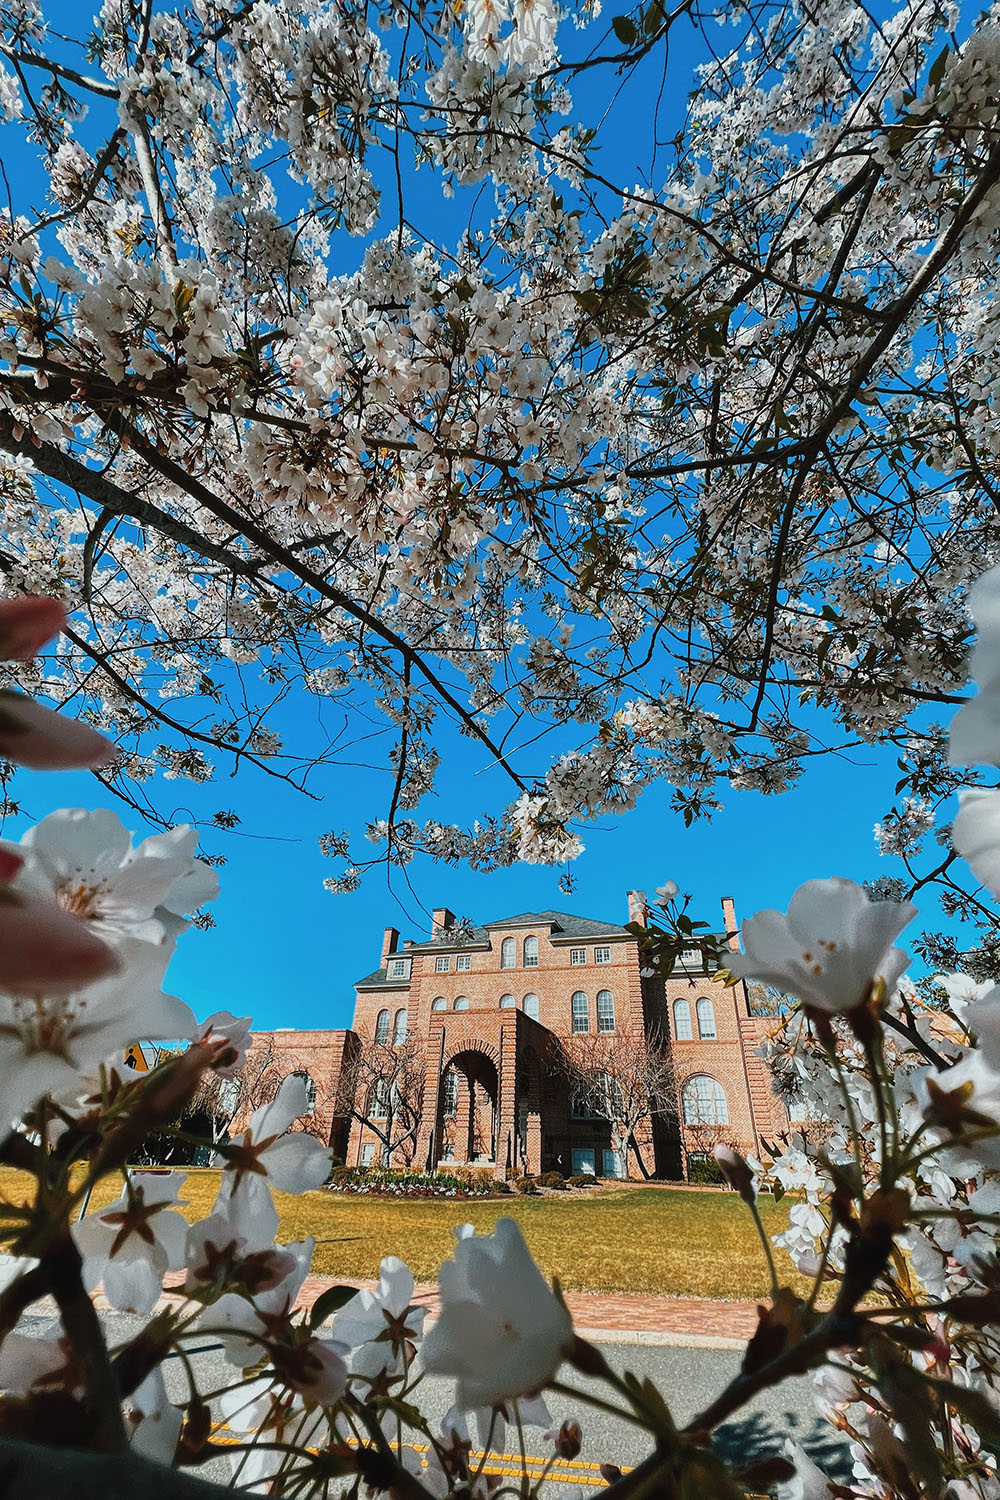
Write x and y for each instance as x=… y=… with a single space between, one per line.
x=703 y=1171
x=553 y=1180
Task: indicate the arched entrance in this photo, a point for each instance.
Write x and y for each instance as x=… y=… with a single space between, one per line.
x=467 y=1109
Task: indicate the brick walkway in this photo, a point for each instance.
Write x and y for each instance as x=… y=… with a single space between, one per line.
x=616 y=1317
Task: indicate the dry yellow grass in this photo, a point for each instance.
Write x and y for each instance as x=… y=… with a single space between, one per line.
x=651 y=1240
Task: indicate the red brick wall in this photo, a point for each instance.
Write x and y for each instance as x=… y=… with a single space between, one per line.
x=321 y=1054
x=551 y=1132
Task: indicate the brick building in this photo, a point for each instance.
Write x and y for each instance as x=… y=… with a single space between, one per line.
x=483 y=1021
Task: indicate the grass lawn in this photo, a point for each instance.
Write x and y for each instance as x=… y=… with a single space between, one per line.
x=633 y=1240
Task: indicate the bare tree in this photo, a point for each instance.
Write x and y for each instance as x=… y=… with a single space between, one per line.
x=383 y=1090
x=626 y=1078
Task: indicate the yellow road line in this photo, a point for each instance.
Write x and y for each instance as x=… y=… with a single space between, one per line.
x=506 y=1465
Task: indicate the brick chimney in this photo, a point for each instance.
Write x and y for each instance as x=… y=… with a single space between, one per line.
x=732 y=926
x=441 y=920
x=637 y=907
x=390 y=942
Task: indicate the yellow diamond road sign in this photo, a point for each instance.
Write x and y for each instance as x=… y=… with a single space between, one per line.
x=139 y=1059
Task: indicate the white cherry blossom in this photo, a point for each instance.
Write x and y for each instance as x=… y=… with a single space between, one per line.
x=975 y=834
x=48 y=1042
x=129 y=1245
x=291 y=1161
x=375 y=1324
x=85 y=862
x=829 y=948
x=501 y=1332
x=974 y=735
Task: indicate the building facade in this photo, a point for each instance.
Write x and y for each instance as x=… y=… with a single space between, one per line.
x=470 y=1048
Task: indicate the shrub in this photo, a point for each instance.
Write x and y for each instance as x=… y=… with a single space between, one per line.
x=582 y=1180
x=553 y=1180
x=525 y=1185
x=704 y=1170
x=385 y=1182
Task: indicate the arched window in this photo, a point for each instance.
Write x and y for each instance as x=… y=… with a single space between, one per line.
x=379 y=1099
x=531 y=1006
x=440 y=1003
x=382 y=1027
x=706 y=1019
x=449 y=1093
x=581 y=1012
x=605 y=1010
x=399 y=1030
x=531 y=953
x=507 y=1002
x=461 y=1002
x=682 y=1021
x=612 y=1104
x=704 y=1101
x=508 y=954
x=310 y=1084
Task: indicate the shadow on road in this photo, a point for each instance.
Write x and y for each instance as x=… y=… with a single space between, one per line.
x=758 y=1436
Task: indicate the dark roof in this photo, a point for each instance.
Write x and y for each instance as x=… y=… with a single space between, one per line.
x=560 y=923
x=379 y=981
x=562 y=926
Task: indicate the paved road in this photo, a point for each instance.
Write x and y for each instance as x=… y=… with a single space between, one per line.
x=687 y=1378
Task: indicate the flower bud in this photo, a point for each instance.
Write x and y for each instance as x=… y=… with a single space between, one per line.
x=46 y=950
x=26 y=624
x=736 y=1172
x=569 y=1439
x=44 y=740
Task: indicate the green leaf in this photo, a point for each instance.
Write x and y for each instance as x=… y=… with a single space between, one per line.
x=624 y=29
x=653 y=19
x=936 y=73
x=329 y=1302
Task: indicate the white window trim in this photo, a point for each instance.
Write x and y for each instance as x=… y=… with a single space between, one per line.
x=605 y=951
x=463 y=963
x=577 y=957
x=442 y=964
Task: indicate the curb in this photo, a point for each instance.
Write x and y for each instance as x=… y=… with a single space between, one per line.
x=644 y=1338
x=659 y=1339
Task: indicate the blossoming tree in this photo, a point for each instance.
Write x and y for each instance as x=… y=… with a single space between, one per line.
x=672 y=474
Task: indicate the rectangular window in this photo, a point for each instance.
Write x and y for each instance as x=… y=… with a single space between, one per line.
x=691 y=958
x=578 y=956
x=602 y=955
x=399 y=968
x=442 y=965
x=463 y=963
x=368 y=1154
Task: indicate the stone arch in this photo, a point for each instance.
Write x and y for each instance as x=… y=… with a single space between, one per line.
x=471 y=1133
x=471 y=1044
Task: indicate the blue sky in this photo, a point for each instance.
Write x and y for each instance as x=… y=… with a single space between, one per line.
x=287 y=952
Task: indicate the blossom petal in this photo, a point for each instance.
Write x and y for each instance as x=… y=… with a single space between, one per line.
x=975 y=833
x=44 y=740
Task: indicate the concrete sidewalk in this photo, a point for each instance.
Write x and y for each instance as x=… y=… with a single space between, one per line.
x=615 y=1317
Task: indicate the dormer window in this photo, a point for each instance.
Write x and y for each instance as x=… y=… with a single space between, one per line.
x=399 y=968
